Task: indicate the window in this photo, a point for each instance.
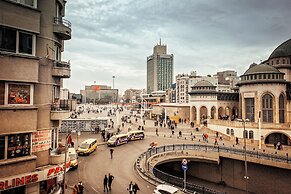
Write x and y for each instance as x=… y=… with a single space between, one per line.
x=277 y=61
x=25 y=43
x=281 y=109
x=245 y=134
x=283 y=61
x=2 y=147
x=7 y=39
x=12 y=40
x=251 y=135
x=227 y=131
x=250 y=109
x=267 y=108
x=19 y=93
x=14 y=146
x=232 y=132
x=31 y=3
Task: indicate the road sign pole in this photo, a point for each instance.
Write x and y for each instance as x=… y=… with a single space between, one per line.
x=185 y=180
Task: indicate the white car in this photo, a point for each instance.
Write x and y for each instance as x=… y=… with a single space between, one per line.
x=166 y=189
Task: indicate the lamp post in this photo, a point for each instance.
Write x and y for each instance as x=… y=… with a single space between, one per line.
x=113 y=77
x=245 y=152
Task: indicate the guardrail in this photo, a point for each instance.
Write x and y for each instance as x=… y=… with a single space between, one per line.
x=59 y=20
x=156 y=176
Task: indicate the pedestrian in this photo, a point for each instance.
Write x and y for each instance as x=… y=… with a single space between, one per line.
x=180 y=133
x=80 y=187
x=236 y=140
x=130 y=187
x=216 y=133
x=135 y=188
x=76 y=189
x=143 y=122
x=157 y=132
x=142 y=128
x=105 y=182
x=111 y=152
x=110 y=179
x=220 y=137
x=215 y=141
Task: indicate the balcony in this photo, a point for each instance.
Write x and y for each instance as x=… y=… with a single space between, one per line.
x=60 y=111
x=61 y=69
x=62 y=28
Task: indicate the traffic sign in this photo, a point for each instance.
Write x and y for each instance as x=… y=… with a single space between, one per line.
x=184 y=167
x=184 y=161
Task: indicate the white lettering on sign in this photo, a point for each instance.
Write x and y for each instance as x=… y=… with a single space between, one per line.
x=249 y=95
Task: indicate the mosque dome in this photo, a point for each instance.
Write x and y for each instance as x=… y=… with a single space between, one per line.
x=283 y=50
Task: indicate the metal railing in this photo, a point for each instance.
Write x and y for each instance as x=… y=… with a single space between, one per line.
x=157 y=176
x=62 y=64
x=59 y=20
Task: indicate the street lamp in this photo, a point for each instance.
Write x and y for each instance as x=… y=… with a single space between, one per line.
x=113 y=77
x=245 y=151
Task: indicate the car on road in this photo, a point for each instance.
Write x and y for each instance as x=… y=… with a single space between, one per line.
x=73 y=157
x=87 y=147
x=135 y=135
x=167 y=189
x=119 y=139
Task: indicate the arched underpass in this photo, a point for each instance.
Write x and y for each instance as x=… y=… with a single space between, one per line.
x=262 y=178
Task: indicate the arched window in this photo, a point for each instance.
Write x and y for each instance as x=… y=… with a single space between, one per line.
x=281 y=109
x=245 y=134
x=251 y=135
x=232 y=132
x=227 y=131
x=267 y=108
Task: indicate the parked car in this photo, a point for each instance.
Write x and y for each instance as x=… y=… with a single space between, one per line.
x=166 y=189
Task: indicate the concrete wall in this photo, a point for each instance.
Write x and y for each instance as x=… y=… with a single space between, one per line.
x=262 y=179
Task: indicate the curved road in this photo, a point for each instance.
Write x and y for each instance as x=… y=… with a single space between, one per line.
x=92 y=168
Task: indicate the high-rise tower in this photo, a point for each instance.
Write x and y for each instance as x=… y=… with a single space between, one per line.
x=159 y=69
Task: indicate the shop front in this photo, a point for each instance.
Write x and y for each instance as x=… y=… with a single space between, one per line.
x=43 y=181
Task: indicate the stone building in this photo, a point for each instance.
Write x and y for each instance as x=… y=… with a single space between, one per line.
x=263 y=97
x=32 y=35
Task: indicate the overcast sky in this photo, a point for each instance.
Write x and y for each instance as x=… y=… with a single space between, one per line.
x=114 y=37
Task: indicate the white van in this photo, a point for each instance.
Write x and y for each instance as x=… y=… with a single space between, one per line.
x=135 y=135
x=73 y=157
x=116 y=140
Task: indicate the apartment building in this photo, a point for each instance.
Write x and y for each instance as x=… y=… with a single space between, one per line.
x=32 y=34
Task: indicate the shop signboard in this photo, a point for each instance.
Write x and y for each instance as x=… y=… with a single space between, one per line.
x=41 y=140
x=33 y=177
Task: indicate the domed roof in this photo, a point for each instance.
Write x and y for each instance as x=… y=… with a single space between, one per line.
x=282 y=50
x=262 y=68
x=203 y=83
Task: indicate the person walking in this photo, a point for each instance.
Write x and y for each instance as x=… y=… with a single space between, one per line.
x=105 y=182
x=157 y=132
x=110 y=179
x=135 y=188
x=236 y=140
x=130 y=187
x=215 y=141
x=76 y=189
x=111 y=152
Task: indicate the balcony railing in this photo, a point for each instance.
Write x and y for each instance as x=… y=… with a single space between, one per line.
x=62 y=64
x=60 y=106
x=59 y=20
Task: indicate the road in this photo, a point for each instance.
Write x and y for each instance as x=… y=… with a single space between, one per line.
x=92 y=168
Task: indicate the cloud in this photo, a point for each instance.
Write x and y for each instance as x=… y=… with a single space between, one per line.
x=115 y=37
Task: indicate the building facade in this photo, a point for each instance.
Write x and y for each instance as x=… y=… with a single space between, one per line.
x=159 y=69
x=182 y=87
x=132 y=95
x=32 y=35
x=100 y=94
x=262 y=98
